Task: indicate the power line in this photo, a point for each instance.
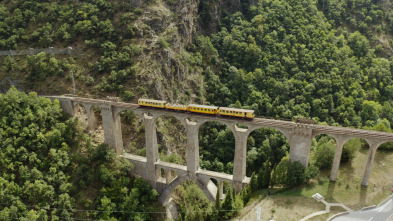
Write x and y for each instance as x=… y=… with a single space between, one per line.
x=32 y=51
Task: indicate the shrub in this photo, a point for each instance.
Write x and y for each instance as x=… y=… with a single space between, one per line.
x=128 y=96
x=163 y=43
x=325 y=154
x=296 y=174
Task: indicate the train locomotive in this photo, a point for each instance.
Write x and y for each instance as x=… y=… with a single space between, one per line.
x=197 y=108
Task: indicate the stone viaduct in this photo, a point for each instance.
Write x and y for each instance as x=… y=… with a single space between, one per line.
x=299 y=136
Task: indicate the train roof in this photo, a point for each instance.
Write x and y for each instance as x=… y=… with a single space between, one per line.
x=202 y=106
x=150 y=100
x=236 y=109
x=175 y=105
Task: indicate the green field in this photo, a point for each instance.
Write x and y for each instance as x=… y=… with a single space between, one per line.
x=296 y=203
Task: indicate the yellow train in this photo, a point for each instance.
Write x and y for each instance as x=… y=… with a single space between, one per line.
x=197 y=108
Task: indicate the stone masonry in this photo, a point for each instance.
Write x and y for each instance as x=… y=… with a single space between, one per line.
x=299 y=135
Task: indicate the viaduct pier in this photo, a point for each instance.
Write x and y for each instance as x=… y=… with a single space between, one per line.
x=299 y=135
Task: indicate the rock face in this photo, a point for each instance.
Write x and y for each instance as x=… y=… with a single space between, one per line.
x=165 y=29
x=187 y=15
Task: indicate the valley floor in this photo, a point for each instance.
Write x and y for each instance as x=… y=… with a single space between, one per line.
x=294 y=204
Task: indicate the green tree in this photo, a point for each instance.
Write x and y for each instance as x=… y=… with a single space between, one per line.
x=296 y=174
x=253 y=182
x=325 y=153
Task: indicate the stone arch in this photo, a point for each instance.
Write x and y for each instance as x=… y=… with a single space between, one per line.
x=81 y=112
x=164 y=197
x=132 y=131
x=259 y=134
x=355 y=169
x=382 y=170
x=339 y=141
x=206 y=147
x=171 y=138
x=95 y=122
x=157 y=115
x=229 y=124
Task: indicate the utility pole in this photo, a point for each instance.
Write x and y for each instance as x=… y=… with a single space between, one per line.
x=72 y=74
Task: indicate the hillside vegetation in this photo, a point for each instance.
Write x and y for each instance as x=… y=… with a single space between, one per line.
x=119 y=47
x=286 y=59
x=324 y=59
x=50 y=171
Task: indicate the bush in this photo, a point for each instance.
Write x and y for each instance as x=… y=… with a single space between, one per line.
x=311 y=172
x=128 y=96
x=296 y=174
x=325 y=154
x=163 y=43
x=349 y=150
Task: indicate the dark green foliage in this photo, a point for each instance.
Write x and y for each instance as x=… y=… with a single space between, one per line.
x=264 y=144
x=296 y=174
x=216 y=147
x=128 y=96
x=36 y=24
x=39 y=173
x=311 y=172
x=218 y=198
x=260 y=179
x=253 y=182
x=325 y=153
x=194 y=205
x=280 y=173
x=264 y=175
x=41 y=66
x=231 y=205
x=227 y=205
x=246 y=194
x=267 y=171
x=284 y=63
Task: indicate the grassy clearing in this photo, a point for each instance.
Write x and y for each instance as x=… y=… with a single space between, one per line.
x=294 y=204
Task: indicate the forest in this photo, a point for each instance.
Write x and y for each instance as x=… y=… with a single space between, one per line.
x=329 y=60
x=51 y=171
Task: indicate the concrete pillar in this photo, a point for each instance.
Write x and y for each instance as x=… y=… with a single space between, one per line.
x=192 y=147
x=66 y=104
x=151 y=150
x=239 y=167
x=300 y=144
x=371 y=154
x=221 y=189
x=169 y=177
x=337 y=157
x=112 y=128
x=91 y=118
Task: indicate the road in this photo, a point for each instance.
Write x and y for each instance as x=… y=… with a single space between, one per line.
x=383 y=212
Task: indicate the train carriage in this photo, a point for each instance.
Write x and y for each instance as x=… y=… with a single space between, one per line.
x=203 y=109
x=176 y=107
x=236 y=112
x=151 y=103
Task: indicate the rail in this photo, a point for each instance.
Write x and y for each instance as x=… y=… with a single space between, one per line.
x=322 y=129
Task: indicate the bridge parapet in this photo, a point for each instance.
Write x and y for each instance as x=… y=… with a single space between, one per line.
x=179 y=169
